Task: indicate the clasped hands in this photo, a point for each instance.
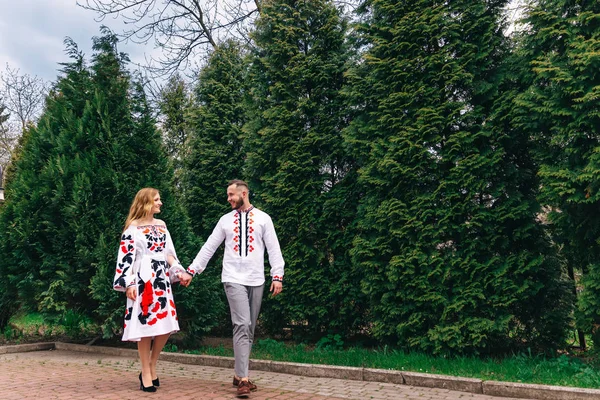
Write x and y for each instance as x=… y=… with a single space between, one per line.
x=184 y=278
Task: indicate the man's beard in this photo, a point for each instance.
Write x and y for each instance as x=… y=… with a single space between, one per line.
x=238 y=204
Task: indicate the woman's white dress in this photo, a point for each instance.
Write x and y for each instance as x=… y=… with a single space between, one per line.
x=142 y=261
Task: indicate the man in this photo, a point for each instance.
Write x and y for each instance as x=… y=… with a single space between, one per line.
x=247 y=232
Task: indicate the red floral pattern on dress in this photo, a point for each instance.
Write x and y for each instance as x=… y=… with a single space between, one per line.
x=153 y=300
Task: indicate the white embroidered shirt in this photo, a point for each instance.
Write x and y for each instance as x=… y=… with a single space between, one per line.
x=246 y=234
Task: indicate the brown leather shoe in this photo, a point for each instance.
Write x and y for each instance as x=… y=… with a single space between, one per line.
x=243 y=389
x=236 y=382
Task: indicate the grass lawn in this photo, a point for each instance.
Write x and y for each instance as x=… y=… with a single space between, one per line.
x=562 y=371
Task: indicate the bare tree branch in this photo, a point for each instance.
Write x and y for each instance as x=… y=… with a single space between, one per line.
x=185 y=30
x=21 y=103
x=23 y=95
x=8 y=140
x=182 y=29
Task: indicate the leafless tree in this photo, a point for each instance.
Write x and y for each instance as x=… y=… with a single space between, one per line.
x=182 y=29
x=21 y=103
x=7 y=140
x=23 y=95
x=185 y=30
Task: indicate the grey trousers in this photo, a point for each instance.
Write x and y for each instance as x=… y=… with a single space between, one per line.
x=244 y=304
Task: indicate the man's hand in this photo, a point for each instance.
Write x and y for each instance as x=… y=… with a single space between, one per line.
x=184 y=279
x=276 y=287
x=131 y=292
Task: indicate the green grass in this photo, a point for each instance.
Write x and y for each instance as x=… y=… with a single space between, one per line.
x=31 y=326
x=561 y=371
x=27 y=326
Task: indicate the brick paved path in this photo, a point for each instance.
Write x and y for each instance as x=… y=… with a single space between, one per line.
x=73 y=375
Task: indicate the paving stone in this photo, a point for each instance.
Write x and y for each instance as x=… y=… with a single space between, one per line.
x=73 y=375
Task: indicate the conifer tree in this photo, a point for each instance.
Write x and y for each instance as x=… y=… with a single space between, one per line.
x=94 y=147
x=454 y=260
x=298 y=167
x=213 y=155
x=559 y=109
x=174 y=104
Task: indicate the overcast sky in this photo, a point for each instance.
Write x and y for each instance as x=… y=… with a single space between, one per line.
x=32 y=34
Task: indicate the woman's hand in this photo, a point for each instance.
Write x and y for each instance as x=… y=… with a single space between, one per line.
x=184 y=278
x=131 y=292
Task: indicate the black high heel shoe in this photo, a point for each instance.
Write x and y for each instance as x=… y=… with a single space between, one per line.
x=156 y=382
x=144 y=388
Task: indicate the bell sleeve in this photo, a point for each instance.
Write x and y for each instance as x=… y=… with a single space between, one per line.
x=124 y=276
x=176 y=267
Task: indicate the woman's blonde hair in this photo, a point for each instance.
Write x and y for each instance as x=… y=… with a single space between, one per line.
x=141 y=206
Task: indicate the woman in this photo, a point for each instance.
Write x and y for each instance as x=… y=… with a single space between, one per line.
x=146 y=267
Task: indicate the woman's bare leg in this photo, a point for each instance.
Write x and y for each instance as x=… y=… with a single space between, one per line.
x=145 y=357
x=157 y=346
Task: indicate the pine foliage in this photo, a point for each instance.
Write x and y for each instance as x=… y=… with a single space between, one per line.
x=453 y=258
x=213 y=156
x=559 y=109
x=298 y=167
x=94 y=147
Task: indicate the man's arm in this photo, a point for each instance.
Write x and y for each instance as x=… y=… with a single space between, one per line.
x=275 y=257
x=204 y=255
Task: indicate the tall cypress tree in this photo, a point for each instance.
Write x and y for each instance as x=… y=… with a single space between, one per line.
x=213 y=155
x=174 y=104
x=298 y=167
x=95 y=146
x=26 y=241
x=559 y=108
x=454 y=260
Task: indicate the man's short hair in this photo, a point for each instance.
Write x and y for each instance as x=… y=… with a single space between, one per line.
x=238 y=183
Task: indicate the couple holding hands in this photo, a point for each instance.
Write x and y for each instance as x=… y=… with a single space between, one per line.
x=147 y=265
